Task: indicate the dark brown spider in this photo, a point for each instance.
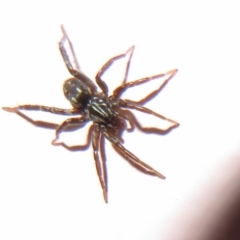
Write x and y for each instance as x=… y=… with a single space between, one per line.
x=108 y=113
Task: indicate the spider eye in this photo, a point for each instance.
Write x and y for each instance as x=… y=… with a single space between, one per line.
x=76 y=92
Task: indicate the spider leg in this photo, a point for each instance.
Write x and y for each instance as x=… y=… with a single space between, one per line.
x=43 y=124
x=54 y=110
x=71 y=121
x=79 y=147
x=128 y=65
x=70 y=127
x=77 y=66
x=36 y=123
x=103 y=157
x=133 y=121
x=76 y=73
x=100 y=82
x=131 y=127
x=49 y=125
x=98 y=146
x=131 y=105
x=121 y=89
x=130 y=157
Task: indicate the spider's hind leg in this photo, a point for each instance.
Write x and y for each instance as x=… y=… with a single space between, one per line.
x=54 y=110
x=43 y=124
x=74 y=70
x=36 y=123
x=49 y=125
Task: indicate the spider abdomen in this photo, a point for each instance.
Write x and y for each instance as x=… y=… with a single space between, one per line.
x=77 y=92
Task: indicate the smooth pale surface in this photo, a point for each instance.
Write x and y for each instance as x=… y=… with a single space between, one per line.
x=47 y=192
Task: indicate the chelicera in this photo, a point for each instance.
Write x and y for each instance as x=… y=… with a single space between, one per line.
x=109 y=114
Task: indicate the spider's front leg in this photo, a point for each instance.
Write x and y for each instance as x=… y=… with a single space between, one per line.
x=130 y=157
x=98 y=147
x=108 y=64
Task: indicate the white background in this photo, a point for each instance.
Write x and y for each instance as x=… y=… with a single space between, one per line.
x=48 y=192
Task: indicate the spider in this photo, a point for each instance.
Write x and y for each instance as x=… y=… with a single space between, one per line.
x=109 y=114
